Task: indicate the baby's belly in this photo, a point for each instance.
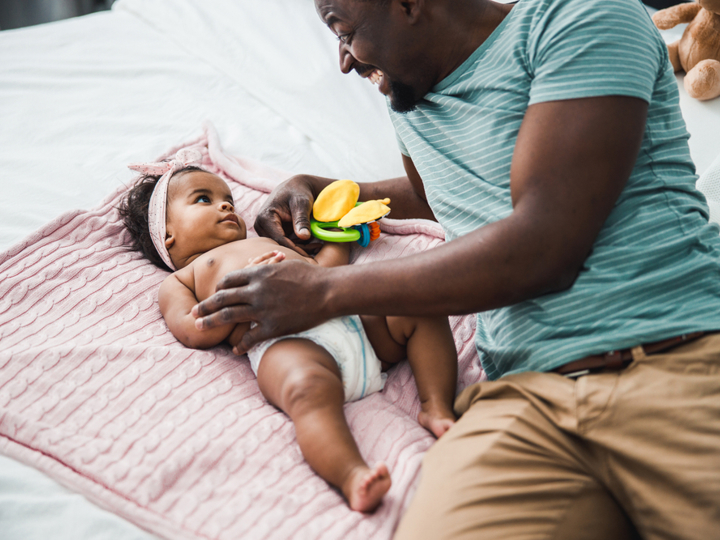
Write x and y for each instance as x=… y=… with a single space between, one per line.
x=214 y=265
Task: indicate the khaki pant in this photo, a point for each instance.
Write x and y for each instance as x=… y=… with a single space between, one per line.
x=635 y=453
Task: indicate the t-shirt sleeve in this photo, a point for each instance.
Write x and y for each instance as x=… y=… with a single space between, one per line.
x=401 y=146
x=590 y=48
x=394 y=119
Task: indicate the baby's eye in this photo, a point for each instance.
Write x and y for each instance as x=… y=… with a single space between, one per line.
x=202 y=199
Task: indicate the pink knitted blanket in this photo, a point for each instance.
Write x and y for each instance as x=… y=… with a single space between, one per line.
x=97 y=393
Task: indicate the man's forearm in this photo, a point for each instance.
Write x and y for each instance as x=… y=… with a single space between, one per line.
x=498 y=265
x=405 y=202
x=563 y=188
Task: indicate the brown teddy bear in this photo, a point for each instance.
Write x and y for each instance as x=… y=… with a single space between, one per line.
x=697 y=52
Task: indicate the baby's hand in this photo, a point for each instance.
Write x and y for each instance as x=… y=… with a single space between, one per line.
x=271 y=257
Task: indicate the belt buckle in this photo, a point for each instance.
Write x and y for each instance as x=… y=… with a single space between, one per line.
x=612 y=360
x=576 y=374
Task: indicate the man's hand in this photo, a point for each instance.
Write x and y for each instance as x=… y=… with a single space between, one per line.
x=280 y=298
x=290 y=203
x=285 y=216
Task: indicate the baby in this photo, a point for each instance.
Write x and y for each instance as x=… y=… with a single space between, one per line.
x=184 y=220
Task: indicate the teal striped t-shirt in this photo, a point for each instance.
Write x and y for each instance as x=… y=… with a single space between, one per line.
x=654 y=271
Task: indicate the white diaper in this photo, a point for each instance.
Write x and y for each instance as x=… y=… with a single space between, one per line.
x=345 y=339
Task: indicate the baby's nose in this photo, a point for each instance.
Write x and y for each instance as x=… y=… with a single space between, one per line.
x=227 y=205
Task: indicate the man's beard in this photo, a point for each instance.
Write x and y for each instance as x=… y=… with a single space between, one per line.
x=402 y=97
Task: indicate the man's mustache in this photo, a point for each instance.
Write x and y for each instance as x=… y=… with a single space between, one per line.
x=363 y=69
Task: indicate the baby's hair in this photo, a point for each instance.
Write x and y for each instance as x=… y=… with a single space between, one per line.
x=133 y=210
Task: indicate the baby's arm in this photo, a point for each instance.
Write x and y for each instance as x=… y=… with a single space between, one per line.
x=176 y=300
x=333 y=254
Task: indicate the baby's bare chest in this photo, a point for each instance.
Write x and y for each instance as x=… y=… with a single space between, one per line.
x=212 y=266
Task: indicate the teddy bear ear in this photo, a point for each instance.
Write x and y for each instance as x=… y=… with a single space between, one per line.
x=710 y=5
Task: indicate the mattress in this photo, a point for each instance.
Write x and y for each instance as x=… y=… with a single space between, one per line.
x=79 y=99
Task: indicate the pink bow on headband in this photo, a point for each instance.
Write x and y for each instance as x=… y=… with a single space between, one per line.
x=157 y=209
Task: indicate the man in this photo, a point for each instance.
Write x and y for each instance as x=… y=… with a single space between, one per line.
x=546 y=138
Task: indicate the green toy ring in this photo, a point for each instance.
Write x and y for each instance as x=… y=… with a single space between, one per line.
x=318 y=229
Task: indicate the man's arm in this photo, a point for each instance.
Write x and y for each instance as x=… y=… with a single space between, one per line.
x=291 y=202
x=570 y=164
x=406 y=194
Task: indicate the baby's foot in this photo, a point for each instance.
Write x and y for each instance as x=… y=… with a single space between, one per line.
x=436 y=419
x=366 y=487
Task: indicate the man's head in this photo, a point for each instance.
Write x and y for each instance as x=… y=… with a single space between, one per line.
x=408 y=46
x=200 y=216
x=382 y=40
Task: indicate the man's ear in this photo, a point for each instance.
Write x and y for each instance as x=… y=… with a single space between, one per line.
x=412 y=9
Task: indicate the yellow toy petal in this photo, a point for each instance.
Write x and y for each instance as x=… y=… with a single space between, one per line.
x=336 y=200
x=365 y=212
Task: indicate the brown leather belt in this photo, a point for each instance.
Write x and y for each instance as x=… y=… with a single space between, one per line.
x=617 y=360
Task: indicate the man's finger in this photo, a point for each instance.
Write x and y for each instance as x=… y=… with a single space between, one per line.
x=221 y=299
x=269 y=225
x=313 y=246
x=300 y=208
x=231 y=280
x=253 y=336
x=228 y=315
x=301 y=251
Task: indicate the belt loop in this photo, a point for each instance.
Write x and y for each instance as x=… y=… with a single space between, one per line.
x=638 y=353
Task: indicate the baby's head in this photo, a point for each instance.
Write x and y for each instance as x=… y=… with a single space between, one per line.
x=198 y=215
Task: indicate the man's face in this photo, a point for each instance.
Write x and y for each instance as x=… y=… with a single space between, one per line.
x=373 y=42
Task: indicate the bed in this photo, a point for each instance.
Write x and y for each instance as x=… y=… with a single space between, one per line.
x=80 y=99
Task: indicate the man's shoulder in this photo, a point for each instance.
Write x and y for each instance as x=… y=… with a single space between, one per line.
x=562 y=13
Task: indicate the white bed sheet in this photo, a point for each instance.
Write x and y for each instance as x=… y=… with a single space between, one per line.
x=81 y=98
x=32 y=506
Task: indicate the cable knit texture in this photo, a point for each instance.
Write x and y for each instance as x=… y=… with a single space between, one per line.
x=96 y=392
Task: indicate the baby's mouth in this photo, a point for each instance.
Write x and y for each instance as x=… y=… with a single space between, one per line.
x=231 y=217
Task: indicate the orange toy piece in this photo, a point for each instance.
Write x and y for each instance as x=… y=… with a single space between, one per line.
x=374 y=230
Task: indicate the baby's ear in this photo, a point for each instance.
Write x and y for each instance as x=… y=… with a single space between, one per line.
x=169 y=241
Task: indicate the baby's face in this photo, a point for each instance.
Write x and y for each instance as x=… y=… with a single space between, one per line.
x=200 y=216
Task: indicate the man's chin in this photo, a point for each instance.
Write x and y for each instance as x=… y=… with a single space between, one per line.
x=402 y=98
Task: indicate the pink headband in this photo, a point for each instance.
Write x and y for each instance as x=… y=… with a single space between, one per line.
x=157 y=209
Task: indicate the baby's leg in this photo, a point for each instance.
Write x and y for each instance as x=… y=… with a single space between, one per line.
x=303 y=380
x=428 y=344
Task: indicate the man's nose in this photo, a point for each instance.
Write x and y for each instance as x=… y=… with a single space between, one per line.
x=346 y=59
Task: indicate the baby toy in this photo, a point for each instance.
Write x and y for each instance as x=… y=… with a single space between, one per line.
x=697 y=52
x=336 y=207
